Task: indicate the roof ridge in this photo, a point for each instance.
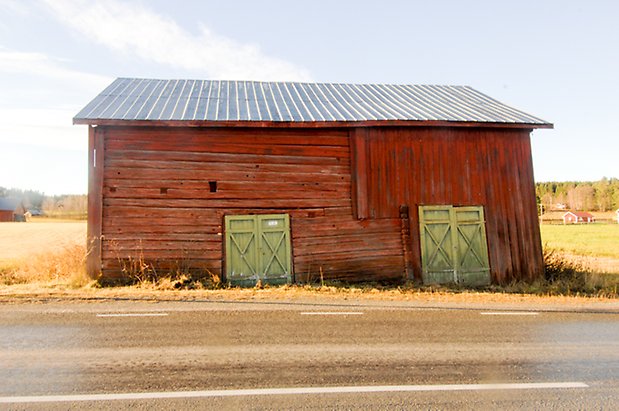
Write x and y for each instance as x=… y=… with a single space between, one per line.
x=298 y=82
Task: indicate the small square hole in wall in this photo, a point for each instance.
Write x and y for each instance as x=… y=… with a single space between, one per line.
x=212 y=186
x=163 y=190
x=112 y=189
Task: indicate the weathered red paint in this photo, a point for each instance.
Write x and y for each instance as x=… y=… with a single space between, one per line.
x=343 y=188
x=6 y=216
x=157 y=205
x=436 y=165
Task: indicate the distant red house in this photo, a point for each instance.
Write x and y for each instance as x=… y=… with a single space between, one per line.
x=11 y=210
x=573 y=217
x=6 y=211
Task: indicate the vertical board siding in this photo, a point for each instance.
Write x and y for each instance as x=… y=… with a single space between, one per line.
x=489 y=167
x=158 y=208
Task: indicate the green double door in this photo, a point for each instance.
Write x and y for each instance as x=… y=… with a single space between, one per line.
x=453 y=245
x=258 y=249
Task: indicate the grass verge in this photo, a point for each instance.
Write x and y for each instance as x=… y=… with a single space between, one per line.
x=65 y=270
x=568 y=275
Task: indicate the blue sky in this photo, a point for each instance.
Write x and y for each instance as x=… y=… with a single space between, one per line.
x=557 y=60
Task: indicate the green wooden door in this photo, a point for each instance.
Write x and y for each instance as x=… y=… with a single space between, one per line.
x=241 y=250
x=472 y=248
x=258 y=248
x=453 y=245
x=437 y=245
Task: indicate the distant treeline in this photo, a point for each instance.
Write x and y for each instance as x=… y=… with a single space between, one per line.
x=600 y=195
x=68 y=205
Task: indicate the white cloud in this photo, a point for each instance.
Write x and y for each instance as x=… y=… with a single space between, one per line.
x=40 y=99
x=41 y=150
x=42 y=128
x=42 y=65
x=14 y=6
x=136 y=30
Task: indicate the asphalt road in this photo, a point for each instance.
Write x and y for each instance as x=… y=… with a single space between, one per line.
x=190 y=349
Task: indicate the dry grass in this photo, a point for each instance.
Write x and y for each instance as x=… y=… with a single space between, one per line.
x=64 y=268
x=569 y=276
x=46 y=256
x=52 y=254
x=19 y=241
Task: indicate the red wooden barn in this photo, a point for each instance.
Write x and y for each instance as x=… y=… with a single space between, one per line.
x=11 y=210
x=284 y=181
x=7 y=209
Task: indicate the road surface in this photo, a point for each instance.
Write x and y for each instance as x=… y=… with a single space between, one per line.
x=261 y=355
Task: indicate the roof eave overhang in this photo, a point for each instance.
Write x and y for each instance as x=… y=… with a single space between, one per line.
x=308 y=124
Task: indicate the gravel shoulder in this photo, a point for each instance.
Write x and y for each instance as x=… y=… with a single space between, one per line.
x=325 y=296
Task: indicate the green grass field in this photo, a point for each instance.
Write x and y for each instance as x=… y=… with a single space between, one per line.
x=595 y=240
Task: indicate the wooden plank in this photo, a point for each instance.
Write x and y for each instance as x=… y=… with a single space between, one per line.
x=348 y=255
x=155 y=255
x=96 y=156
x=216 y=147
x=169 y=193
x=145 y=226
x=359 y=169
x=230 y=186
x=364 y=268
x=145 y=245
x=405 y=239
x=323 y=227
x=206 y=157
x=129 y=163
x=157 y=213
x=348 y=242
x=160 y=237
x=154 y=175
x=247 y=136
x=226 y=203
x=512 y=210
x=530 y=217
x=323 y=231
x=214 y=265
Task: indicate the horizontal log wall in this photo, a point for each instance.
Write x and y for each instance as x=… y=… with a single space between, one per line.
x=458 y=166
x=158 y=207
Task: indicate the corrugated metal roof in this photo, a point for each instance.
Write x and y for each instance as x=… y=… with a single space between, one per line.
x=221 y=100
x=8 y=204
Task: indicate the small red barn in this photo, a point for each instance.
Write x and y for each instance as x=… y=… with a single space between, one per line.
x=11 y=210
x=573 y=217
x=283 y=181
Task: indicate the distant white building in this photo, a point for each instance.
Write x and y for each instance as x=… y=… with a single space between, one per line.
x=572 y=217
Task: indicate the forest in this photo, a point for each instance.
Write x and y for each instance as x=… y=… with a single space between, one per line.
x=66 y=205
x=602 y=195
